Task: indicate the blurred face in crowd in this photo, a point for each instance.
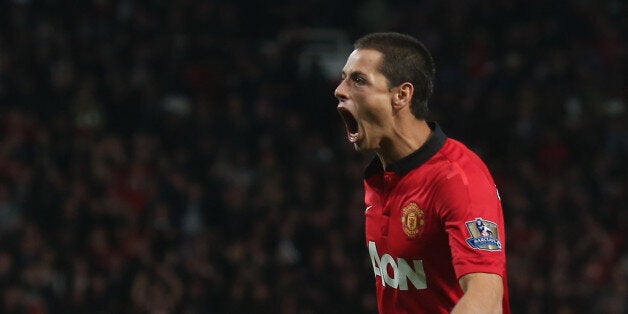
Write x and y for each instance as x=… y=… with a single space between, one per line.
x=365 y=100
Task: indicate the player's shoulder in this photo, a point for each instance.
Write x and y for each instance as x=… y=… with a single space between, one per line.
x=456 y=164
x=458 y=157
x=455 y=150
x=460 y=177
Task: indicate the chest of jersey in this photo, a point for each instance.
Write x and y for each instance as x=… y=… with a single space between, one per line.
x=400 y=218
x=418 y=231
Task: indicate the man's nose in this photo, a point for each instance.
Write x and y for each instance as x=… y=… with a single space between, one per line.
x=340 y=92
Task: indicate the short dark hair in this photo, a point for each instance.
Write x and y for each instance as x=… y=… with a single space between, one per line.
x=405 y=59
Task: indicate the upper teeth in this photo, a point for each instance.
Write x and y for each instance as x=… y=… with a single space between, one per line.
x=353 y=137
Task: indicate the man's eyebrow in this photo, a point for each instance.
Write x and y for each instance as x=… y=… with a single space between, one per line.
x=353 y=74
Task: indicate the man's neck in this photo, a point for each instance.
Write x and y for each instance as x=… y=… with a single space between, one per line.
x=407 y=137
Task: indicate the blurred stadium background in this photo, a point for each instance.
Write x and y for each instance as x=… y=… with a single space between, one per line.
x=187 y=157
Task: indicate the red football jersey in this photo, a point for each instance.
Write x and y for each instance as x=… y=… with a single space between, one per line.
x=431 y=218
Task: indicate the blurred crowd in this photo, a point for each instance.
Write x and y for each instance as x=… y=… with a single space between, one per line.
x=175 y=157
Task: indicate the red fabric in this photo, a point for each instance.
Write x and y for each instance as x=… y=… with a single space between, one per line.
x=452 y=188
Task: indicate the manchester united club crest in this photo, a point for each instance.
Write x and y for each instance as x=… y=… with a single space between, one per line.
x=412 y=220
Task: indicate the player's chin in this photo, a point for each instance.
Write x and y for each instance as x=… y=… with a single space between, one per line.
x=362 y=146
x=357 y=147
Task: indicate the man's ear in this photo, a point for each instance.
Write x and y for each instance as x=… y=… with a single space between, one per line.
x=402 y=96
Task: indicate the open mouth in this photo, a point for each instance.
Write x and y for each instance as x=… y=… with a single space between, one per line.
x=351 y=124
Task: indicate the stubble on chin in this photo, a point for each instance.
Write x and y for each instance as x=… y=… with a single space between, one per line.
x=357 y=147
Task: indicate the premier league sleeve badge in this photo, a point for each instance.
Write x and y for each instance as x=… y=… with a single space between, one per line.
x=484 y=235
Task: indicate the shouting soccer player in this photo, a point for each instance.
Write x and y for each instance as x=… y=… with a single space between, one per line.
x=434 y=222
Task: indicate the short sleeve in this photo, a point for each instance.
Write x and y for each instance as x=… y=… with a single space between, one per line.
x=471 y=212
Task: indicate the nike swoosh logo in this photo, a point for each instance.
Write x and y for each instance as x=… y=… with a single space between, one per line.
x=368 y=208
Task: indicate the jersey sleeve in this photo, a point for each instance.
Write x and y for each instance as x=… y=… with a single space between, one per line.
x=471 y=212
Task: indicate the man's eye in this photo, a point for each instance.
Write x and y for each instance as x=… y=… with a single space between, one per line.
x=359 y=81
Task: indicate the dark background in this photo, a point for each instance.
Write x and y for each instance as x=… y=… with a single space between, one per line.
x=187 y=157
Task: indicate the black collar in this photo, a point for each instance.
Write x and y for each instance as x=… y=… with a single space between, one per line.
x=414 y=160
